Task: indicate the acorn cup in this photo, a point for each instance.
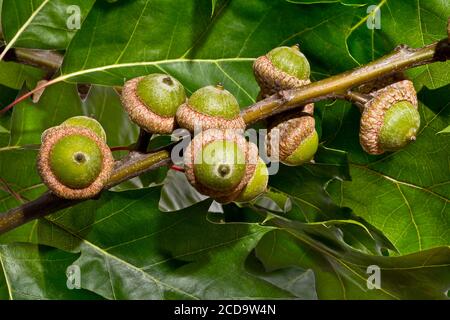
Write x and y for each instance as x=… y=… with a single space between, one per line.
x=220 y=164
x=152 y=102
x=390 y=119
x=74 y=161
x=283 y=68
x=294 y=137
x=210 y=107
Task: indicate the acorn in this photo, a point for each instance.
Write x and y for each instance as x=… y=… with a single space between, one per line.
x=86 y=122
x=74 y=162
x=283 y=68
x=390 y=119
x=296 y=138
x=220 y=163
x=211 y=107
x=152 y=102
x=257 y=184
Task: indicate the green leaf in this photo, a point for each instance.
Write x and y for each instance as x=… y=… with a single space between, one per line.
x=342 y=273
x=7 y=95
x=121 y=234
x=404 y=194
x=177 y=193
x=14 y=75
x=104 y=105
x=163 y=257
x=213 y=6
x=344 y=2
x=446 y=130
x=31 y=272
x=191 y=50
x=426 y=22
x=42 y=24
x=29 y=120
x=311 y=203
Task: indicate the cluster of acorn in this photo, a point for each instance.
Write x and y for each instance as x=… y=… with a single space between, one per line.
x=75 y=162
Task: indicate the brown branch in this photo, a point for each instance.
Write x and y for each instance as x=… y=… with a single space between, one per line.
x=48 y=60
x=337 y=86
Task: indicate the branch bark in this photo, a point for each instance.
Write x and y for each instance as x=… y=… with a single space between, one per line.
x=334 y=87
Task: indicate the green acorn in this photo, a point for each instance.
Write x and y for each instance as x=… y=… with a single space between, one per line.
x=220 y=163
x=152 y=102
x=295 y=139
x=283 y=68
x=257 y=184
x=74 y=162
x=210 y=107
x=86 y=122
x=390 y=119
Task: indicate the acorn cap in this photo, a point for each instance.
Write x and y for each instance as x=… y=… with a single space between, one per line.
x=196 y=148
x=210 y=107
x=274 y=74
x=380 y=83
x=375 y=111
x=151 y=102
x=44 y=162
x=294 y=133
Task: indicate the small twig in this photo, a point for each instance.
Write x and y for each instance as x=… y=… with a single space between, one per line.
x=143 y=141
x=13 y=193
x=177 y=168
x=357 y=98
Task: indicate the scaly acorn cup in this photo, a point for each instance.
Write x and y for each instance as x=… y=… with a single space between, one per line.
x=257 y=184
x=152 y=102
x=74 y=162
x=390 y=119
x=283 y=68
x=86 y=122
x=210 y=107
x=296 y=138
x=220 y=163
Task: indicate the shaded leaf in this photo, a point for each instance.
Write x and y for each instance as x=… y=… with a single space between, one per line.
x=14 y=75
x=342 y=272
x=31 y=272
x=177 y=193
x=168 y=256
